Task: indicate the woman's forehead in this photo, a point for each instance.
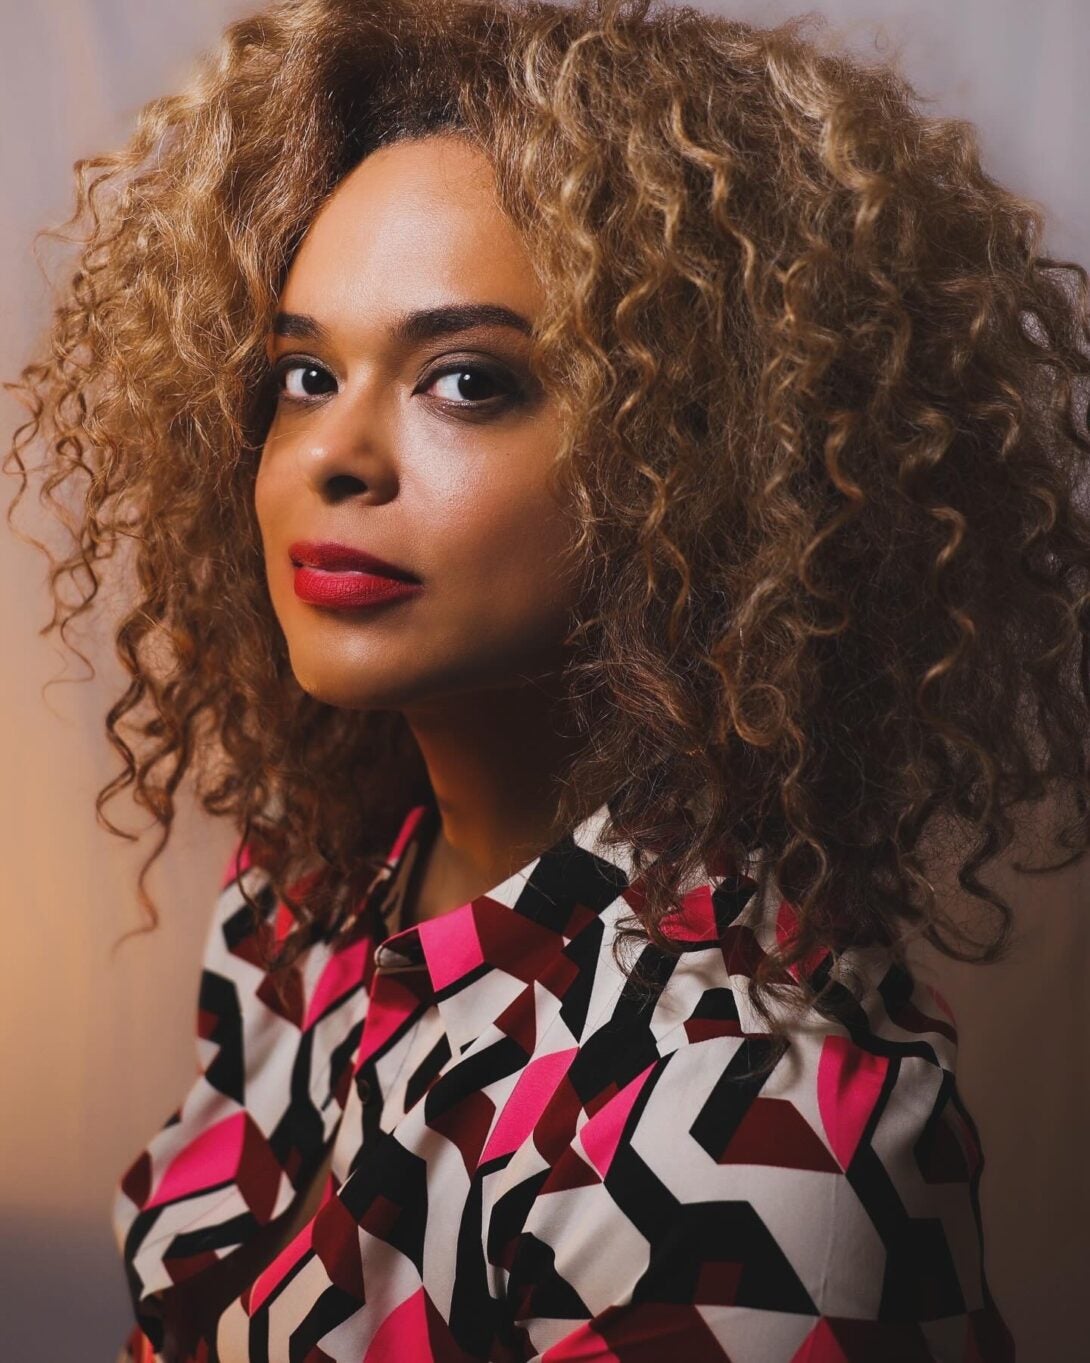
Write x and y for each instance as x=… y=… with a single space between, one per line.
x=413 y=225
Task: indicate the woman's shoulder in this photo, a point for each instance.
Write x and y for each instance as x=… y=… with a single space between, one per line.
x=861 y=1088
x=831 y=1187
x=867 y=1081
x=271 y=1081
x=874 y=1002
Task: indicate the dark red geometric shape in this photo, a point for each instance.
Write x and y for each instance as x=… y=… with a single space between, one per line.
x=773 y=1131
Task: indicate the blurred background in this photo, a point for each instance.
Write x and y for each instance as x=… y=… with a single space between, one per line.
x=98 y=1047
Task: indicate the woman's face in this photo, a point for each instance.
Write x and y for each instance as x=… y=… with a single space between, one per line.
x=419 y=435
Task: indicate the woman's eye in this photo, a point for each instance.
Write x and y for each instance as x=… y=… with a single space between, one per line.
x=464 y=385
x=300 y=381
x=467 y=385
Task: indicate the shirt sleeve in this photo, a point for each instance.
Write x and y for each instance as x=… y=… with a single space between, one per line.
x=828 y=1213
x=254 y=1125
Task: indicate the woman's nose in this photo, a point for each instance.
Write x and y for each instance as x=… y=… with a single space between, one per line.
x=349 y=449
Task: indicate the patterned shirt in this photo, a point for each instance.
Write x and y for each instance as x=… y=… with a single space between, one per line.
x=530 y=1160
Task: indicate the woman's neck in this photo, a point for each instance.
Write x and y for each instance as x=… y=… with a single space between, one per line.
x=495 y=764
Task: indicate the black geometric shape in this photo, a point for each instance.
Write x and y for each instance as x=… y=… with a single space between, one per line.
x=703 y=1234
x=566 y=875
x=398 y=1176
x=921 y=1280
x=331 y=1308
x=729 y=898
x=611 y=1057
x=235 y=1231
x=239 y=925
x=340 y=1058
x=731 y=1098
x=472 y=1319
x=503 y=1058
x=299 y=1135
x=535 y=1287
x=582 y=951
x=686 y=1236
x=718 y=1004
x=509 y=1213
x=218 y=997
x=424 y=1074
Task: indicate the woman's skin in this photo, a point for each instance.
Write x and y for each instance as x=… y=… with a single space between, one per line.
x=379 y=455
x=439 y=474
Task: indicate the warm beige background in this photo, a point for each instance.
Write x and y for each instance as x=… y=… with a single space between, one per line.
x=97 y=1051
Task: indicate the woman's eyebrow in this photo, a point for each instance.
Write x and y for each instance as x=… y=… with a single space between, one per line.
x=411 y=328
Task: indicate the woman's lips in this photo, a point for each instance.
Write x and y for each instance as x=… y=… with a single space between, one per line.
x=336 y=557
x=349 y=588
x=328 y=573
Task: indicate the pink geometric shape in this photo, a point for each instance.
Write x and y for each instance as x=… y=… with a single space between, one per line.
x=279 y=1269
x=583 y=1345
x=405 y=832
x=787 y=920
x=820 y=1346
x=208 y=1159
x=343 y=971
x=602 y=1133
x=284 y=920
x=391 y=1002
x=536 y=1085
x=241 y=859
x=451 y=945
x=696 y=920
x=849 y=1083
x=403 y=1334
x=640 y=1332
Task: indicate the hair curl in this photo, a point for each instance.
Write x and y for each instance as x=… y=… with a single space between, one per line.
x=817 y=393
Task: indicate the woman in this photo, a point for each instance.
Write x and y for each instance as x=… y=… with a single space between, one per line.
x=601 y=481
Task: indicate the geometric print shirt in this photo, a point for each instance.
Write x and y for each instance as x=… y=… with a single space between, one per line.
x=529 y=1162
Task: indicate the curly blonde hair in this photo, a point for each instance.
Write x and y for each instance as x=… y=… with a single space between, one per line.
x=817 y=396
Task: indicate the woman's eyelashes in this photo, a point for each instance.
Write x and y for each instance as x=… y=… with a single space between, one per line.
x=464 y=383
x=299 y=380
x=468 y=384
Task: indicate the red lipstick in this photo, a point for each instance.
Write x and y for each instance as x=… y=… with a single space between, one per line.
x=329 y=574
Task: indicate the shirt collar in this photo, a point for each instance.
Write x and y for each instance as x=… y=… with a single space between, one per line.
x=474 y=960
